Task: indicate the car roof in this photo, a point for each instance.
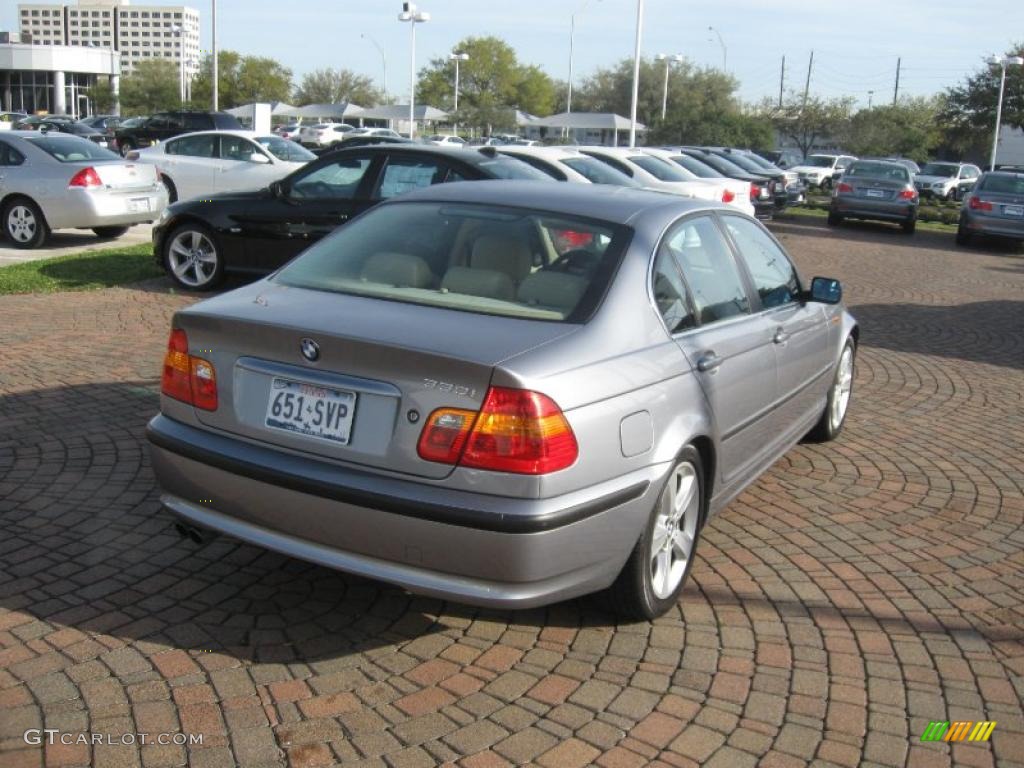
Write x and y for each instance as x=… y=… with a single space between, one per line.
x=226 y=132
x=614 y=151
x=600 y=201
x=551 y=153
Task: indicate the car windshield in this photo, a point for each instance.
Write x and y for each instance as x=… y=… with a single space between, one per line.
x=820 y=161
x=878 y=171
x=658 y=168
x=283 y=149
x=521 y=263
x=1002 y=183
x=597 y=172
x=696 y=167
x=70 y=149
x=945 y=170
x=502 y=167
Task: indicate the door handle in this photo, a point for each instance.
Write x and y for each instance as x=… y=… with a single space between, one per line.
x=708 y=362
x=780 y=337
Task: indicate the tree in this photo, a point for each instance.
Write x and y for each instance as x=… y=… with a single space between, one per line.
x=101 y=95
x=804 y=122
x=334 y=86
x=240 y=80
x=702 y=105
x=968 y=111
x=907 y=129
x=491 y=82
x=153 y=86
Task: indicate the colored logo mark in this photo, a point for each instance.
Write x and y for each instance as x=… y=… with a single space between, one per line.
x=958 y=731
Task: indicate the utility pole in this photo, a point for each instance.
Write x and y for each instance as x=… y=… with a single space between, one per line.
x=782 y=80
x=871 y=95
x=896 y=91
x=807 y=85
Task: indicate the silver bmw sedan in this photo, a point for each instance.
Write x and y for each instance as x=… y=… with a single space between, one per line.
x=503 y=393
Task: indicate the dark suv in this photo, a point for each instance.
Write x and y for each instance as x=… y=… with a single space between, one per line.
x=164 y=125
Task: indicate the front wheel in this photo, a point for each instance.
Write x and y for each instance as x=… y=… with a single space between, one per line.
x=126 y=147
x=193 y=258
x=24 y=224
x=109 y=231
x=832 y=419
x=909 y=226
x=963 y=237
x=951 y=196
x=834 y=219
x=652 y=579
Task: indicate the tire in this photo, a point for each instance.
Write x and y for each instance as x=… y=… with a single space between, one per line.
x=909 y=226
x=951 y=196
x=172 y=191
x=963 y=237
x=827 y=184
x=24 y=224
x=834 y=219
x=126 y=146
x=109 y=231
x=652 y=579
x=193 y=257
x=839 y=395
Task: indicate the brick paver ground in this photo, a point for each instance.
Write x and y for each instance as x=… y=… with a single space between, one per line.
x=857 y=591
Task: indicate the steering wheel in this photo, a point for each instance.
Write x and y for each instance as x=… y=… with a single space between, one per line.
x=575 y=262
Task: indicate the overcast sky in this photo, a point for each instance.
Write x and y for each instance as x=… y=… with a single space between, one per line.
x=856 y=42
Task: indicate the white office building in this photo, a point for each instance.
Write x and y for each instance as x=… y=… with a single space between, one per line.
x=137 y=32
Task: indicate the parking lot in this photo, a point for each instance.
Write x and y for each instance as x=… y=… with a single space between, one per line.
x=856 y=592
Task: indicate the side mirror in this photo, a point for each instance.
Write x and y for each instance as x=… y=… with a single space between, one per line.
x=825 y=290
x=276 y=189
x=259 y=159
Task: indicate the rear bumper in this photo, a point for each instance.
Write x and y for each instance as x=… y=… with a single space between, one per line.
x=470 y=547
x=996 y=227
x=860 y=208
x=100 y=208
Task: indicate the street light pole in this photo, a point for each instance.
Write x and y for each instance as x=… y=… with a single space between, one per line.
x=214 y=52
x=384 y=64
x=668 y=59
x=457 y=57
x=414 y=16
x=1006 y=61
x=572 y=41
x=725 y=51
x=179 y=32
x=636 y=71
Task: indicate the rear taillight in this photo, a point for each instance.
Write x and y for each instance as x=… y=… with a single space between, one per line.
x=908 y=194
x=977 y=204
x=87 y=177
x=844 y=187
x=133 y=156
x=728 y=196
x=516 y=431
x=189 y=379
x=755 y=191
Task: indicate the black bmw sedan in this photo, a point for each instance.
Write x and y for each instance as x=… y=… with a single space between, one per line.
x=199 y=240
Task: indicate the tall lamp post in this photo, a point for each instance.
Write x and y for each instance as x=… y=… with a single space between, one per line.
x=213 y=21
x=384 y=64
x=668 y=58
x=572 y=41
x=725 y=51
x=414 y=16
x=1004 y=62
x=179 y=32
x=457 y=57
x=636 y=72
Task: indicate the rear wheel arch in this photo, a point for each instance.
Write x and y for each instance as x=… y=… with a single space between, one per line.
x=706 y=448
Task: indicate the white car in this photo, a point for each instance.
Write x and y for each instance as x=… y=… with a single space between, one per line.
x=323 y=134
x=568 y=164
x=732 y=192
x=204 y=163
x=820 y=170
x=446 y=141
x=659 y=173
x=386 y=132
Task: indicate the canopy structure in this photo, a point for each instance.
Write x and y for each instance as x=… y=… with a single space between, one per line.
x=421 y=112
x=581 y=127
x=276 y=108
x=326 y=111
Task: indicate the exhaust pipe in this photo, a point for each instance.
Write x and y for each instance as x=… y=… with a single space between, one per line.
x=186 y=531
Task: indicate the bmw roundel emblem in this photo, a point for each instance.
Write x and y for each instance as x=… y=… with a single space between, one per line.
x=310 y=350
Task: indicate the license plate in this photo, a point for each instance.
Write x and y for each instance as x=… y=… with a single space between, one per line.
x=137 y=204
x=309 y=410
x=875 y=193
x=1013 y=210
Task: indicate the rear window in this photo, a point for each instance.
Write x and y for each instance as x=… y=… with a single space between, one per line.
x=696 y=167
x=658 y=168
x=597 y=172
x=285 y=149
x=70 y=149
x=224 y=122
x=1002 y=184
x=502 y=167
x=879 y=171
x=473 y=258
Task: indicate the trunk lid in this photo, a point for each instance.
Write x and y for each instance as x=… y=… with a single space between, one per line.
x=384 y=360
x=874 y=188
x=125 y=177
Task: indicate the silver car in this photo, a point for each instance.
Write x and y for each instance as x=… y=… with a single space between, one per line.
x=875 y=190
x=995 y=206
x=55 y=181
x=502 y=393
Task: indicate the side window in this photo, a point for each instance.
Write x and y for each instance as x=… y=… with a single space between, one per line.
x=337 y=180
x=193 y=146
x=773 y=274
x=159 y=122
x=670 y=293
x=541 y=166
x=10 y=156
x=616 y=164
x=174 y=123
x=236 y=148
x=702 y=253
x=404 y=174
x=197 y=123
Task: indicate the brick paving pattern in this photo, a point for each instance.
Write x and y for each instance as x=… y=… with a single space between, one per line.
x=856 y=592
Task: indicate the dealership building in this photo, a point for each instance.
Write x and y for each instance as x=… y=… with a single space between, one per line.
x=53 y=78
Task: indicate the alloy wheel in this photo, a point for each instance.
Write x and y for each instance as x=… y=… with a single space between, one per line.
x=193 y=258
x=675 y=530
x=21 y=223
x=842 y=387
